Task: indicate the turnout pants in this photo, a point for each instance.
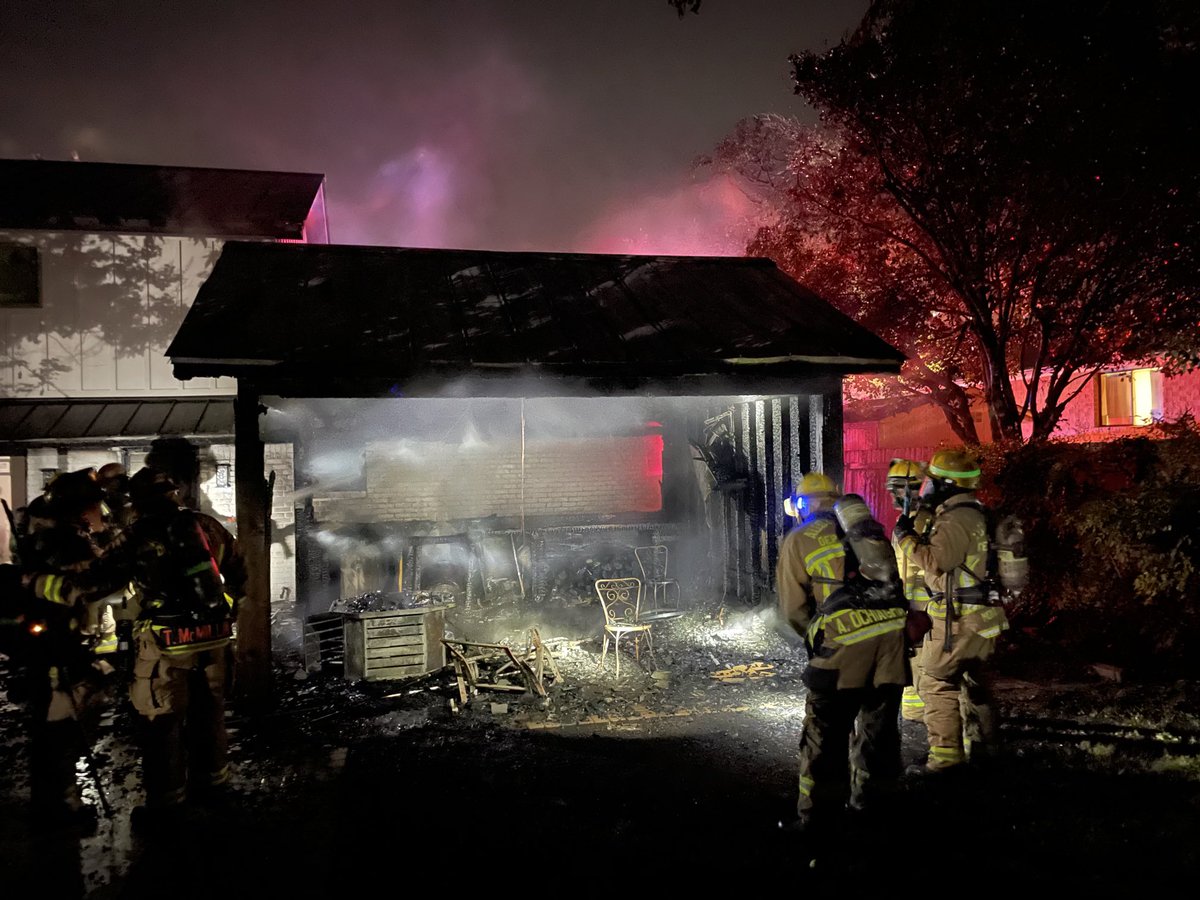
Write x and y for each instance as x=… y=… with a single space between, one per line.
x=959 y=710
x=850 y=742
x=58 y=716
x=181 y=698
x=912 y=705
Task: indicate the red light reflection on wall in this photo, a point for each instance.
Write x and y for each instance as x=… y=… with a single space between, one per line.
x=652 y=470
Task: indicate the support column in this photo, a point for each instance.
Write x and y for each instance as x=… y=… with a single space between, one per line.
x=253 y=672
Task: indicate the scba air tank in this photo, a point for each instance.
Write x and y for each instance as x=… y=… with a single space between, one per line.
x=876 y=558
x=1012 y=566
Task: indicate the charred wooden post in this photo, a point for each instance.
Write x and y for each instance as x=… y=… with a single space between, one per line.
x=825 y=433
x=776 y=492
x=253 y=672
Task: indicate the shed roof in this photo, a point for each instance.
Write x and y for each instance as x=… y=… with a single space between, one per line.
x=90 y=196
x=323 y=320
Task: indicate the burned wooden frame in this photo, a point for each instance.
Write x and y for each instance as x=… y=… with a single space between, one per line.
x=473 y=660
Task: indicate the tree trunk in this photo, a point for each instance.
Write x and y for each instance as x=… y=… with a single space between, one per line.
x=997 y=391
x=954 y=402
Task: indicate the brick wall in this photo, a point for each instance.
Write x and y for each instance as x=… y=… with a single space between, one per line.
x=439 y=482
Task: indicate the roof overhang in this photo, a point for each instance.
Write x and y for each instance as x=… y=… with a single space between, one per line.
x=329 y=321
x=100 y=421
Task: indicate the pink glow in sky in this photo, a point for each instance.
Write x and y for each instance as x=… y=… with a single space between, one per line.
x=709 y=218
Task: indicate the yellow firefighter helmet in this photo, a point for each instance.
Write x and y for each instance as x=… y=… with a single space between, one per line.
x=816 y=484
x=904 y=472
x=813 y=486
x=958 y=467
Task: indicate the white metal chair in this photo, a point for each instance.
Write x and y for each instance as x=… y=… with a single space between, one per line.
x=621 y=599
x=653 y=563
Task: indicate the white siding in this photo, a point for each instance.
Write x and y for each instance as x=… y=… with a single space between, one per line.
x=110 y=305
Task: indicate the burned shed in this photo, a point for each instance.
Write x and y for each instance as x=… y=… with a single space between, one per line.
x=655 y=398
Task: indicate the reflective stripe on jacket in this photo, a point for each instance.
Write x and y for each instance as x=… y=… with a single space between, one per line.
x=957 y=549
x=812 y=569
x=915 y=590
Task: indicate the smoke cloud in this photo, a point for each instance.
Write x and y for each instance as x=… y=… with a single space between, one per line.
x=713 y=217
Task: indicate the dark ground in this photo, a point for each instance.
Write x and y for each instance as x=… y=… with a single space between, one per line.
x=637 y=782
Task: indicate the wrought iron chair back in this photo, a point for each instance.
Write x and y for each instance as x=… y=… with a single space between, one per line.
x=621 y=599
x=653 y=562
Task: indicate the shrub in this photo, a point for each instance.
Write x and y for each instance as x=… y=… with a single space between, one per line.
x=1114 y=542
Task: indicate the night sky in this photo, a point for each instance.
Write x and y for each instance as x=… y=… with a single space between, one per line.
x=508 y=124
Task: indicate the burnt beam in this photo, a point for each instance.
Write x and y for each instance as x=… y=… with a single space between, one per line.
x=253 y=649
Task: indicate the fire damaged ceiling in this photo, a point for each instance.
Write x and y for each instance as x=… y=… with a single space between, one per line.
x=321 y=320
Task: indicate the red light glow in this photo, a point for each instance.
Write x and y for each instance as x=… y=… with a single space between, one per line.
x=652 y=467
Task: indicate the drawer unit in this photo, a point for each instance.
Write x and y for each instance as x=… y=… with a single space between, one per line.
x=397 y=643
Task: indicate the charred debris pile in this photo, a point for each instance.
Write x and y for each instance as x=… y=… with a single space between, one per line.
x=704 y=659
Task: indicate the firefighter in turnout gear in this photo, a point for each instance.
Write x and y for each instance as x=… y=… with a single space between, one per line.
x=904 y=479
x=856 y=667
x=65 y=680
x=967 y=617
x=182 y=639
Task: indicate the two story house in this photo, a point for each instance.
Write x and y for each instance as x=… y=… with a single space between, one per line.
x=98 y=264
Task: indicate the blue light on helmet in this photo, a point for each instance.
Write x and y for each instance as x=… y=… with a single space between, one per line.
x=796 y=505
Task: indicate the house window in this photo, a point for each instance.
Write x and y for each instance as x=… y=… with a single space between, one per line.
x=1131 y=398
x=19 y=276
x=223 y=475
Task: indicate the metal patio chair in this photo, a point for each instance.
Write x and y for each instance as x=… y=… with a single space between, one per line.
x=621 y=599
x=653 y=563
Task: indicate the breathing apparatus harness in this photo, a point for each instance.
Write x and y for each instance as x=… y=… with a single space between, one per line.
x=855 y=590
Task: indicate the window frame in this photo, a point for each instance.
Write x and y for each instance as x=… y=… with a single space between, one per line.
x=1102 y=393
x=35 y=251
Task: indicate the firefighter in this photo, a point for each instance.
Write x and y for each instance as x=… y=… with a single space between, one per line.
x=182 y=639
x=904 y=479
x=955 y=658
x=65 y=682
x=115 y=484
x=856 y=662
x=177 y=464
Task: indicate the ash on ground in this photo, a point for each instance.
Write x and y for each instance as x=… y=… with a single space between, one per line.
x=689 y=757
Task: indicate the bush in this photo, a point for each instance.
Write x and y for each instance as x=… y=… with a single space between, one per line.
x=1113 y=532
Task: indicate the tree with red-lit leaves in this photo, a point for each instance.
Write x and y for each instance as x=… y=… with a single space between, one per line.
x=1011 y=185
x=829 y=225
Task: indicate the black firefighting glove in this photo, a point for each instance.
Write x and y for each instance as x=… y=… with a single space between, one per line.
x=904 y=527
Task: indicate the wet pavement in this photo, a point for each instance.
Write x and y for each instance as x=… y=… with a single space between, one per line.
x=676 y=781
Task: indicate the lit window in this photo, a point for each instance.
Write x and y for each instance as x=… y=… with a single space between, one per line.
x=19 y=279
x=1131 y=398
x=223 y=475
